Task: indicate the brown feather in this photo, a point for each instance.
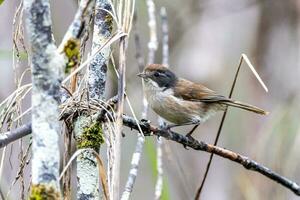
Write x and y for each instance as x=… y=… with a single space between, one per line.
x=190 y=91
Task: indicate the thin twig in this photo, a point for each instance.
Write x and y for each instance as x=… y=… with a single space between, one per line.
x=219 y=132
x=243 y=57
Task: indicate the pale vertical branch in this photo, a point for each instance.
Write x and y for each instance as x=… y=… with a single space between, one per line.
x=87 y=173
x=47 y=70
x=75 y=32
x=165 y=36
x=135 y=160
x=103 y=24
x=161 y=122
x=87 y=170
x=153 y=43
x=159 y=167
x=152 y=46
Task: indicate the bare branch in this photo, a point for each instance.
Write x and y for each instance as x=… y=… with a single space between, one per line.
x=11 y=136
x=203 y=146
x=150 y=130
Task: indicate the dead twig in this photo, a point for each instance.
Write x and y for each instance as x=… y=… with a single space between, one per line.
x=243 y=57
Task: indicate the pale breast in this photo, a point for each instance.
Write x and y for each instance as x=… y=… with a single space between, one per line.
x=177 y=110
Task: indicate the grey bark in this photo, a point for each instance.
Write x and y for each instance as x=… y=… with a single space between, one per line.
x=47 y=66
x=87 y=170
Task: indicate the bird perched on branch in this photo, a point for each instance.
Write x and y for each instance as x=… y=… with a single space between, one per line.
x=184 y=102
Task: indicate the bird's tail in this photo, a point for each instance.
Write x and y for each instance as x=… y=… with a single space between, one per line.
x=246 y=107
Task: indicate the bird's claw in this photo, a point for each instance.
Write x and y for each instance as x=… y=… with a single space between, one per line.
x=189 y=136
x=184 y=146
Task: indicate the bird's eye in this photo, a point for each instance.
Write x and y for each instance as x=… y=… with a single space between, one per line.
x=156 y=74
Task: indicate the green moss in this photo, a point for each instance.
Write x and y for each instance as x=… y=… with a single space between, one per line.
x=109 y=21
x=92 y=137
x=43 y=191
x=72 y=51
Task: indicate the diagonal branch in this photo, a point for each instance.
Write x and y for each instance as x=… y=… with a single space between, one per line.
x=249 y=164
x=203 y=146
x=11 y=136
x=79 y=22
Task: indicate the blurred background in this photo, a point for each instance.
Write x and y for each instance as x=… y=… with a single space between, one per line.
x=207 y=39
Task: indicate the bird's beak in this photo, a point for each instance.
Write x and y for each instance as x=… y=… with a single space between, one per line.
x=142 y=75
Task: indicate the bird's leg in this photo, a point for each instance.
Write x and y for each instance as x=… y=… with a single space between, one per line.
x=189 y=134
x=169 y=126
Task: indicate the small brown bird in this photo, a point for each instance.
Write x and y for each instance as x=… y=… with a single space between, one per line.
x=183 y=102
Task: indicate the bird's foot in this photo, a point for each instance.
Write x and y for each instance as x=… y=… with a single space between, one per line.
x=167 y=128
x=189 y=136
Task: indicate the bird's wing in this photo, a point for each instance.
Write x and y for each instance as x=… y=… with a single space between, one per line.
x=190 y=91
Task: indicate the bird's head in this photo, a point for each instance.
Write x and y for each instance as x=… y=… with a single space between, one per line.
x=158 y=76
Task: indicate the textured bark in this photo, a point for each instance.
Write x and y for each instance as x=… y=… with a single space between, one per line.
x=47 y=66
x=102 y=32
x=87 y=170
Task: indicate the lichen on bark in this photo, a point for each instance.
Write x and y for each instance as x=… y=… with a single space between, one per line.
x=72 y=52
x=92 y=137
x=47 y=71
x=43 y=192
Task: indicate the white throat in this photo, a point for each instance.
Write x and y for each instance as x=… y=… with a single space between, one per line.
x=155 y=93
